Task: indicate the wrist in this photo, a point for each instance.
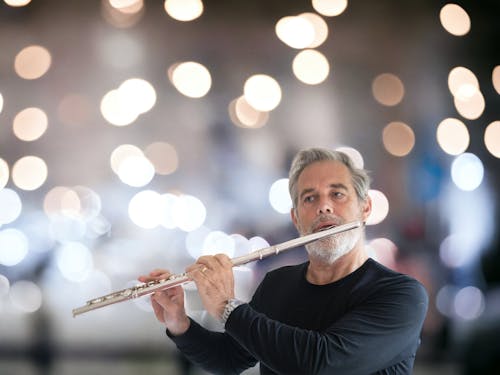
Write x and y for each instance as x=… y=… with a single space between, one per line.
x=180 y=327
x=231 y=305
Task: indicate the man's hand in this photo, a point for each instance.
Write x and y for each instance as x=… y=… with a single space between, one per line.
x=168 y=304
x=214 y=280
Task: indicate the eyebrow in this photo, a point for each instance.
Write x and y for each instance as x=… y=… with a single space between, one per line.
x=334 y=186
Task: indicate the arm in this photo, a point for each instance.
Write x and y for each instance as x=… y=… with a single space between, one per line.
x=214 y=351
x=377 y=334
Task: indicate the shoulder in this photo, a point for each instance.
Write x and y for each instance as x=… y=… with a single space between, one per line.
x=393 y=286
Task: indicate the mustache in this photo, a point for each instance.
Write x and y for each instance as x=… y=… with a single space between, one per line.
x=325 y=220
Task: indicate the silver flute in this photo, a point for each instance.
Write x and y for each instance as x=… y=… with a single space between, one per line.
x=179 y=279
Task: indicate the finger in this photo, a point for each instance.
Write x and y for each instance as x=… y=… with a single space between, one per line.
x=158 y=310
x=158 y=274
x=197 y=267
x=208 y=261
x=163 y=300
x=197 y=274
x=223 y=260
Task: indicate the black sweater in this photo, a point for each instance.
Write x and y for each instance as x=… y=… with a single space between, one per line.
x=368 y=322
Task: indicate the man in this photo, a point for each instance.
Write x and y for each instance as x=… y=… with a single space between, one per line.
x=339 y=313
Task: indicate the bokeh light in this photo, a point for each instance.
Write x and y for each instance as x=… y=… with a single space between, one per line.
x=295 y=31
x=279 y=197
x=11 y=206
x=189 y=212
x=4 y=173
x=495 y=78
x=13 y=246
x=311 y=67
x=32 y=62
x=89 y=203
x=79 y=202
x=457 y=250
x=462 y=83
x=455 y=19
x=60 y=200
x=467 y=171
x=190 y=78
x=163 y=156
x=122 y=13
x=126 y=6
x=398 y=138
x=244 y=115
x=122 y=106
x=388 y=89
x=329 y=8
x=194 y=241
x=74 y=261
x=354 y=154
x=29 y=173
x=472 y=107
x=182 y=211
x=218 y=242
x=469 y=303
x=17 y=3
x=139 y=94
x=491 y=140
x=26 y=296
x=384 y=251
x=320 y=28
x=144 y=209
x=444 y=300
x=241 y=244
x=380 y=207
x=452 y=136
x=167 y=217
x=30 y=124
x=121 y=153
x=136 y=171
x=262 y=92
x=116 y=111
x=184 y=10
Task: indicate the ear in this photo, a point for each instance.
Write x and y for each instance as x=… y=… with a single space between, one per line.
x=366 y=208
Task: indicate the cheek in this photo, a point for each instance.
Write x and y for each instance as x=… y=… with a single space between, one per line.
x=299 y=223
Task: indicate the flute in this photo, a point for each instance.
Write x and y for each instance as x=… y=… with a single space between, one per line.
x=179 y=279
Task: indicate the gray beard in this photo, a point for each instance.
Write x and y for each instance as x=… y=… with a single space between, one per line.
x=331 y=248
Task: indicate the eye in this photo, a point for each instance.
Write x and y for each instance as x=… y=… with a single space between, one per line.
x=309 y=199
x=338 y=195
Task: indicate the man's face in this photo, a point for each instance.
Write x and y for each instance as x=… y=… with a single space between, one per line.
x=327 y=197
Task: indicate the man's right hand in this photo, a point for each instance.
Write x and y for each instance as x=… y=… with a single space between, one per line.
x=168 y=304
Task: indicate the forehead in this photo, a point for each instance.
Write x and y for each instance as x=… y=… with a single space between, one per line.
x=324 y=172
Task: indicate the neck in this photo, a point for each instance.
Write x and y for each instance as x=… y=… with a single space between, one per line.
x=321 y=273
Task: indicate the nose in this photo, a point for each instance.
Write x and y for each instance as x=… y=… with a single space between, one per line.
x=325 y=208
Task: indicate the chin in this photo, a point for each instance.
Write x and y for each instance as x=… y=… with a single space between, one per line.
x=328 y=250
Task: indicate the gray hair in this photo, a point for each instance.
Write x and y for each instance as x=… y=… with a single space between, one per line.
x=360 y=178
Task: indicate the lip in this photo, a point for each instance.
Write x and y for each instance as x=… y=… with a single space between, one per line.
x=324 y=226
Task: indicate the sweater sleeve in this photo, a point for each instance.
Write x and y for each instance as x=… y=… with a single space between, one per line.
x=215 y=352
x=377 y=334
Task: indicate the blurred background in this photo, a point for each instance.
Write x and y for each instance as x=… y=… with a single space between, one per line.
x=142 y=134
